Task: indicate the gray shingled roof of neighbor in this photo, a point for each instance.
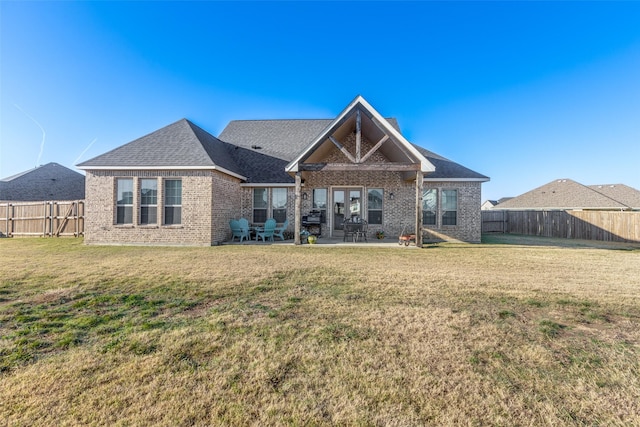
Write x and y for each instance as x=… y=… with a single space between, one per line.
x=620 y=192
x=180 y=145
x=44 y=183
x=562 y=194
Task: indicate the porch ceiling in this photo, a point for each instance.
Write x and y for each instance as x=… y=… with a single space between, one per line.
x=392 y=149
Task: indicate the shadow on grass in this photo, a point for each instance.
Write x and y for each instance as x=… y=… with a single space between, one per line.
x=525 y=240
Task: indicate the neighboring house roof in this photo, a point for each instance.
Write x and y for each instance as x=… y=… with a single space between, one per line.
x=47 y=182
x=563 y=194
x=620 y=192
x=488 y=204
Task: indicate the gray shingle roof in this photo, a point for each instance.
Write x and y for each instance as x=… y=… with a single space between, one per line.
x=447 y=169
x=286 y=139
x=620 y=192
x=181 y=144
x=562 y=194
x=44 y=183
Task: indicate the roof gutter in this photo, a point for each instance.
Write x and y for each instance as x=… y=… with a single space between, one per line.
x=158 y=168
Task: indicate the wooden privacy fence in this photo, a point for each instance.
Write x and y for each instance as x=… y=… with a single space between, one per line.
x=44 y=219
x=612 y=226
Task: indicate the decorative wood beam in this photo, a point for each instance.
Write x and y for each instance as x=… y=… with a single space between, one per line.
x=297 y=210
x=341 y=148
x=397 y=166
x=358 y=135
x=374 y=149
x=419 y=181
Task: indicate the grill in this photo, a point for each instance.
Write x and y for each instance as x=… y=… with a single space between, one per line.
x=313 y=222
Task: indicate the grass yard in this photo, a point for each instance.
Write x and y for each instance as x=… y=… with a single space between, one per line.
x=514 y=331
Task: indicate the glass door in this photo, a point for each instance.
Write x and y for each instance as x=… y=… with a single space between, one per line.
x=347 y=203
x=338 y=209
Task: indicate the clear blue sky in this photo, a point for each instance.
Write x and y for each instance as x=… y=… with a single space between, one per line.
x=524 y=92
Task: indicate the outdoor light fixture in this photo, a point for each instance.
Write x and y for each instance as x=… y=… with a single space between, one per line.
x=304 y=196
x=391 y=196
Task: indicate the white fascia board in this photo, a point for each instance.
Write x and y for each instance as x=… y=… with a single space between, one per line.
x=456 y=179
x=267 y=185
x=293 y=165
x=425 y=164
x=162 y=168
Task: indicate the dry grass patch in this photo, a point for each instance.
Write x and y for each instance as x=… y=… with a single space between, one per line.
x=500 y=333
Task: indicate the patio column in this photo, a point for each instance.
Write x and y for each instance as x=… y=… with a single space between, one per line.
x=297 y=221
x=419 y=180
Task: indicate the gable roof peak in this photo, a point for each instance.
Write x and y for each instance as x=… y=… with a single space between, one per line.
x=360 y=104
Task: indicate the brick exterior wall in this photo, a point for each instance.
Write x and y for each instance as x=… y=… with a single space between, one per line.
x=199 y=218
x=210 y=199
x=398 y=214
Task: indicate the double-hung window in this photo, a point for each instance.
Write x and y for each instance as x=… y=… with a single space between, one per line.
x=374 y=205
x=449 y=207
x=279 y=204
x=124 y=201
x=429 y=206
x=260 y=204
x=148 y=201
x=172 y=201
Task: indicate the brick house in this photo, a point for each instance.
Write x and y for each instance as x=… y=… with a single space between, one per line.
x=181 y=185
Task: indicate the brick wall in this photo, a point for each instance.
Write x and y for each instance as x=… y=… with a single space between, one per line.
x=197 y=212
x=210 y=199
x=226 y=199
x=399 y=213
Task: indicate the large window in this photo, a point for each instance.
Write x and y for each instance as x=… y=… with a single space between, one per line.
x=124 y=201
x=172 y=201
x=449 y=207
x=320 y=202
x=148 y=201
x=260 y=204
x=374 y=205
x=429 y=206
x=279 y=204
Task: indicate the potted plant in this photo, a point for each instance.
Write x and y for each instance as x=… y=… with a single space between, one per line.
x=380 y=234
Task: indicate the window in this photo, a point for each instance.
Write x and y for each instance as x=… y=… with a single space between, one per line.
x=429 y=206
x=279 y=204
x=172 y=201
x=124 y=201
x=449 y=207
x=260 y=205
x=374 y=205
x=148 y=201
x=320 y=202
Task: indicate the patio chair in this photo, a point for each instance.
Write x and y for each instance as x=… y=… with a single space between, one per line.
x=237 y=231
x=362 y=232
x=278 y=232
x=244 y=225
x=350 y=229
x=267 y=231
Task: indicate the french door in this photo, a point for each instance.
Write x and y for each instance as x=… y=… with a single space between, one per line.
x=347 y=202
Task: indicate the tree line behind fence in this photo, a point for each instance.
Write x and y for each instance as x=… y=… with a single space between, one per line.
x=44 y=219
x=613 y=226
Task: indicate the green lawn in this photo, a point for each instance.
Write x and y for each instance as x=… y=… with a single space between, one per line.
x=514 y=331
